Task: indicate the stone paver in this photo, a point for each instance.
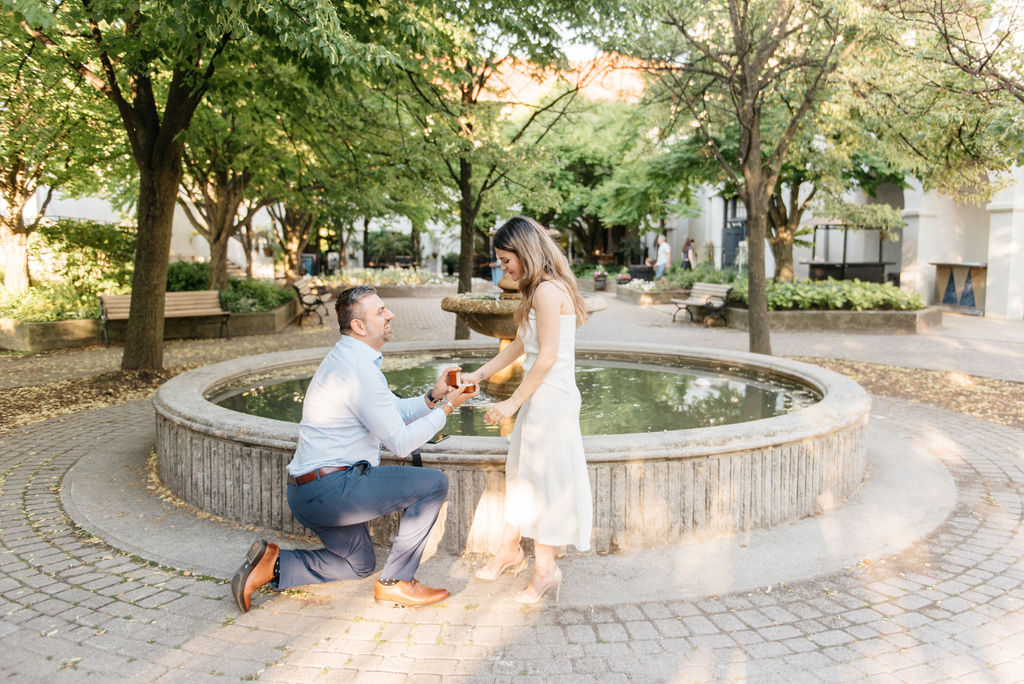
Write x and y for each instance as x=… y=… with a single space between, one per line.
x=946 y=607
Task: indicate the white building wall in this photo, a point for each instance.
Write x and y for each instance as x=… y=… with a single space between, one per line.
x=1004 y=297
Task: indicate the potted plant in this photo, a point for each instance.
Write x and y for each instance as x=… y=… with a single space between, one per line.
x=600 y=278
x=623 y=278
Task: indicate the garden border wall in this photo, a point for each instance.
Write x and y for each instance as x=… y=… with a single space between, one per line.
x=840 y=320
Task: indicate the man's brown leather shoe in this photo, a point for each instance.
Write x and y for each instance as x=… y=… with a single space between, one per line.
x=257 y=570
x=411 y=594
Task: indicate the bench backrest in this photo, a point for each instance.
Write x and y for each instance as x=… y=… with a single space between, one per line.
x=710 y=291
x=116 y=307
x=304 y=286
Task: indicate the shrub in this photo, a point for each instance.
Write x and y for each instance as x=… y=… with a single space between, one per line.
x=188 y=276
x=248 y=296
x=704 y=272
x=855 y=295
x=51 y=301
x=88 y=255
x=451 y=262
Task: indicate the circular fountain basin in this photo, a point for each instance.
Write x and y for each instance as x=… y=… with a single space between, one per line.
x=649 y=489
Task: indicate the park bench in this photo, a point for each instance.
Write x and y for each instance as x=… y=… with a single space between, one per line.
x=197 y=304
x=312 y=298
x=708 y=297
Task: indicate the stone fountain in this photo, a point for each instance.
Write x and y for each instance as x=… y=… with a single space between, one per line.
x=492 y=315
x=650 y=489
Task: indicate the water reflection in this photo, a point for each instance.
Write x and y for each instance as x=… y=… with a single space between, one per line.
x=617 y=398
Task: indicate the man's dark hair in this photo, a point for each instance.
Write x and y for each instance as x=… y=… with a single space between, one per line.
x=347 y=306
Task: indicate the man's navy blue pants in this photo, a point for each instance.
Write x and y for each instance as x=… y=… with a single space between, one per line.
x=339 y=506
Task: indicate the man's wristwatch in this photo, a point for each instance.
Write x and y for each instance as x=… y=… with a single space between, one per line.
x=430 y=396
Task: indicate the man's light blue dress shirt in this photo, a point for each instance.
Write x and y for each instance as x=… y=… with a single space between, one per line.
x=349 y=411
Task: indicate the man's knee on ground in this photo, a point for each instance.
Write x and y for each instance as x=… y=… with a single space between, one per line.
x=364 y=563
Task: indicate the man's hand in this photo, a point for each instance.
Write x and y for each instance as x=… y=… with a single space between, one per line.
x=463 y=394
x=441 y=387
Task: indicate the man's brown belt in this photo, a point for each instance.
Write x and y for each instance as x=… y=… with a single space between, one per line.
x=315 y=474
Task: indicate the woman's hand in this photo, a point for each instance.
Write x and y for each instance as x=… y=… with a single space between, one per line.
x=501 y=411
x=472 y=378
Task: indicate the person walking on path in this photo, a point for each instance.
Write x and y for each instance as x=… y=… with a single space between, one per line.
x=664 y=258
x=547 y=488
x=336 y=484
x=689 y=255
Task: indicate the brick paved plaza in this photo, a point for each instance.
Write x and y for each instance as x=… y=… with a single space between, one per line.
x=918 y=578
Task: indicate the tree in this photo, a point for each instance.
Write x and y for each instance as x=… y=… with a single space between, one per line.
x=154 y=61
x=50 y=135
x=979 y=37
x=727 y=62
x=477 y=131
x=226 y=146
x=605 y=169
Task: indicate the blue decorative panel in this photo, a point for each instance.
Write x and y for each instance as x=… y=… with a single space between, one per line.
x=967 y=296
x=949 y=297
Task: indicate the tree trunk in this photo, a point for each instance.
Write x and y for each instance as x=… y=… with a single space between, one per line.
x=467 y=235
x=782 y=250
x=158 y=190
x=366 y=243
x=756 y=197
x=15 y=244
x=219 y=261
x=759 y=333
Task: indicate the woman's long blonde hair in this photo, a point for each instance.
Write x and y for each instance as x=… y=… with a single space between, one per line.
x=542 y=259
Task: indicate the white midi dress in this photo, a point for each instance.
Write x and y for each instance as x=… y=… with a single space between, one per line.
x=547 y=488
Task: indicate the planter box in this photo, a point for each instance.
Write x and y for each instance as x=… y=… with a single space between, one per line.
x=884 y=322
x=628 y=294
x=263 y=323
x=43 y=335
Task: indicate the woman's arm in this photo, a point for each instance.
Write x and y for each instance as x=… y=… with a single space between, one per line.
x=503 y=358
x=547 y=302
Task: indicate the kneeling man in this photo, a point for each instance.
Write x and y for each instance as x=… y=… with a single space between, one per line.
x=336 y=484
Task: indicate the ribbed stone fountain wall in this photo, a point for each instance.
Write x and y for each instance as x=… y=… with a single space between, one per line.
x=649 y=489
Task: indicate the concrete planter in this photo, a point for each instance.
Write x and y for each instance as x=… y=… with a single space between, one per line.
x=44 y=335
x=905 y=322
x=628 y=294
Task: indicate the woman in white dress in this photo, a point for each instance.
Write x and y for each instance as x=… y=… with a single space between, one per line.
x=547 y=488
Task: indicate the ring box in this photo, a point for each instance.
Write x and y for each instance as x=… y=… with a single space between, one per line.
x=454 y=379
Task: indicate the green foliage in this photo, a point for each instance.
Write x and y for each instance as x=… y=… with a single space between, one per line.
x=188 y=276
x=385 y=245
x=87 y=255
x=50 y=301
x=832 y=294
x=704 y=272
x=451 y=262
x=249 y=296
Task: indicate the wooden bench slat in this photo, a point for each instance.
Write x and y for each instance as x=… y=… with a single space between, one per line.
x=710 y=296
x=200 y=304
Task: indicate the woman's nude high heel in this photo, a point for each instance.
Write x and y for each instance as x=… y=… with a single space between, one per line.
x=555 y=581
x=517 y=565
